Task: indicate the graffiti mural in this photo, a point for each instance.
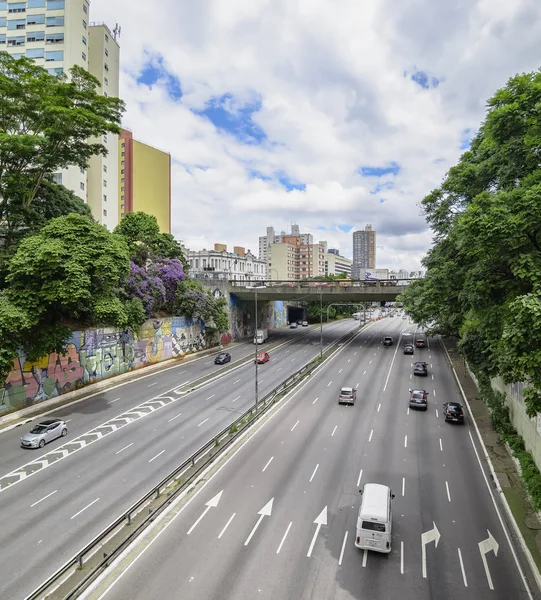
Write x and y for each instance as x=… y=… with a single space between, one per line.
x=94 y=354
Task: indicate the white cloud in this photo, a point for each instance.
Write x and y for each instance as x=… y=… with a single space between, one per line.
x=330 y=78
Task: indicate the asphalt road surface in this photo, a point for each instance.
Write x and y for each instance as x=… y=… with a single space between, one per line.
x=121 y=443
x=278 y=520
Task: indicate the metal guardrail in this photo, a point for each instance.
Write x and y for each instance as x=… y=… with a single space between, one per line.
x=338 y=283
x=233 y=431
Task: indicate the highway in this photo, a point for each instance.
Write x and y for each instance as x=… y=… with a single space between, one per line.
x=278 y=518
x=120 y=444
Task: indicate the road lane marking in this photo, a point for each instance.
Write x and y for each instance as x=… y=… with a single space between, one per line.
x=156 y=456
x=340 y=371
x=236 y=381
x=408 y=411
x=448 y=493
x=265 y=467
x=370 y=436
x=359 y=480
x=486 y=546
x=315 y=400
x=83 y=509
x=343 y=548
x=462 y=568
x=349 y=360
x=278 y=369
x=313 y=474
x=406 y=440
x=237 y=398
x=44 y=498
x=364 y=373
x=329 y=383
x=227 y=525
x=365 y=556
x=284 y=538
x=434 y=393
x=333 y=431
x=402 y=558
x=370 y=363
x=115 y=400
x=203 y=421
x=319 y=521
x=210 y=397
x=295 y=425
x=437 y=417
x=432 y=377
x=125 y=448
x=441 y=445
x=354 y=353
x=356 y=386
x=266 y=511
x=375 y=353
x=403 y=486
x=151 y=384
x=379 y=406
x=212 y=503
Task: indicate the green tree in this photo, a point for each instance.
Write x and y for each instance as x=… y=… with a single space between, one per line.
x=47 y=123
x=194 y=301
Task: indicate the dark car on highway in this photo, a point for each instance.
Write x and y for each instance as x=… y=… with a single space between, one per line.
x=222 y=358
x=408 y=349
x=388 y=340
x=453 y=413
x=419 y=399
x=420 y=368
x=420 y=343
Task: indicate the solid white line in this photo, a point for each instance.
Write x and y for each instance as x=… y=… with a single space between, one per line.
x=364 y=373
x=434 y=393
x=125 y=448
x=365 y=556
x=370 y=436
x=441 y=446
x=236 y=381
x=406 y=441
x=359 y=480
x=315 y=400
x=340 y=371
x=295 y=425
x=335 y=428
x=403 y=486
x=329 y=383
x=343 y=548
x=156 y=456
x=448 y=493
x=44 y=498
x=203 y=421
x=115 y=400
x=211 y=396
x=379 y=406
x=175 y=417
x=227 y=525
x=83 y=509
x=313 y=474
x=462 y=568
x=402 y=558
x=284 y=538
x=151 y=384
x=265 y=467
x=437 y=417
x=237 y=398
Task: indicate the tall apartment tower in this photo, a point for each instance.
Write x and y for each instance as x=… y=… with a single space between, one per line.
x=364 y=250
x=265 y=241
x=57 y=35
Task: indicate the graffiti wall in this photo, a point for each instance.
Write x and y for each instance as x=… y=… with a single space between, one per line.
x=98 y=353
x=279 y=317
x=242 y=317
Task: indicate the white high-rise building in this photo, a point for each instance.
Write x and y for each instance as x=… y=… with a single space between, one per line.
x=57 y=35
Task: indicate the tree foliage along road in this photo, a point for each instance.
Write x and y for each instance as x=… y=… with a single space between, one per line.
x=483 y=279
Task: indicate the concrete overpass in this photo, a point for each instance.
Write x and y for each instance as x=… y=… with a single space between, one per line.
x=354 y=291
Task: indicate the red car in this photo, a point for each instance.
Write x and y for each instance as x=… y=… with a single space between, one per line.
x=262 y=357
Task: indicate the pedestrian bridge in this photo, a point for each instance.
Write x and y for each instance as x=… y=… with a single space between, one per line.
x=355 y=291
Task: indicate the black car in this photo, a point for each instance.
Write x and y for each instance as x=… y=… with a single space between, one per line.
x=408 y=349
x=420 y=368
x=388 y=340
x=419 y=399
x=222 y=358
x=453 y=412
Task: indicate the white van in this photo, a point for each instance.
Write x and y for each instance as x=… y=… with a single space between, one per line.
x=375 y=518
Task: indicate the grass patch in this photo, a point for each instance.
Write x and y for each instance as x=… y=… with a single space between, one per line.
x=515 y=498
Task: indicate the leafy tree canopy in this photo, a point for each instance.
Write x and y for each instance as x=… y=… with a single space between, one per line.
x=194 y=301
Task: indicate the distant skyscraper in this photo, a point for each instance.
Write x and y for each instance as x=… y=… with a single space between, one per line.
x=364 y=250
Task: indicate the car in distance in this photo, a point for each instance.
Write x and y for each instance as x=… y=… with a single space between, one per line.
x=388 y=340
x=420 y=368
x=453 y=413
x=305 y=323
x=293 y=325
x=419 y=399
x=420 y=342
x=408 y=349
x=262 y=357
x=347 y=395
x=222 y=358
x=299 y=321
x=44 y=432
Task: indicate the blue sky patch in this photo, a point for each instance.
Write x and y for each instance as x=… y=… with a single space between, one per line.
x=223 y=113
x=345 y=228
x=253 y=174
x=154 y=72
x=393 y=168
x=291 y=185
x=423 y=79
x=466 y=138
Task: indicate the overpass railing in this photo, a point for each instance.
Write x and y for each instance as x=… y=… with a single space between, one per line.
x=362 y=283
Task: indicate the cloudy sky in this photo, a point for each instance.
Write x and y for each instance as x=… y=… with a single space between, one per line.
x=327 y=113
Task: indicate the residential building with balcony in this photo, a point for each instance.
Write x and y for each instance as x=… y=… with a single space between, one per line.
x=335 y=264
x=240 y=265
x=291 y=259
x=364 y=250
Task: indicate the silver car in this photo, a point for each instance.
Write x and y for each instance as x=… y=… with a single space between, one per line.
x=347 y=395
x=44 y=432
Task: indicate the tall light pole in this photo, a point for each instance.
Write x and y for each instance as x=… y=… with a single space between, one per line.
x=256 y=287
x=320 y=321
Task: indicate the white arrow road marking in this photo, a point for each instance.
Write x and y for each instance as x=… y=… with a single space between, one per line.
x=429 y=536
x=462 y=568
x=212 y=503
x=488 y=545
x=320 y=520
x=266 y=511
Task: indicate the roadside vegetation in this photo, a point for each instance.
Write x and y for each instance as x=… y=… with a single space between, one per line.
x=60 y=270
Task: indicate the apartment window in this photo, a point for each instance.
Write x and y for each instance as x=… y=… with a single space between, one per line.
x=2 y=38
x=16 y=24
x=54 y=38
x=106 y=67
x=83 y=56
x=82 y=170
x=122 y=206
x=106 y=52
x=106 y=81
x=54 y=22
x=104 y=139
x=122 y=198
x=122 y=173
x=17 y=56
x=3 y=5
x=82 y=185
x=105 y=95
x=122 y=163
x=106 y=38
x=17 y=7
x=55 y=4
x=104 y=198
x=36 y=3
x=54 y=55
x=3 y=21
x=57 y=178
x=57 y=71
x=84 y=23
x=105 y=183
x=35 y=20
x=35 y=53
x=122 y=154
x=105 y=168
x=122 y=189
x=16 y=41
x=104 y=212
x=84 y=40
x=85 y=8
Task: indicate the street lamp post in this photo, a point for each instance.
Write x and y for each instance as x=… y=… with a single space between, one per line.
x=320 y=322
x=256 y=287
